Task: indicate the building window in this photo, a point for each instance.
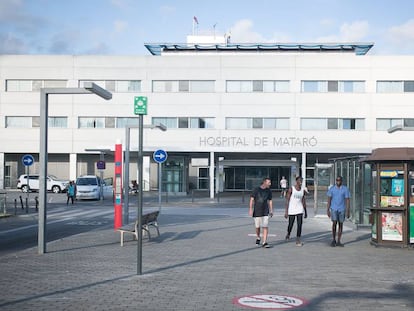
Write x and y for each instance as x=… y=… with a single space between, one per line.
x=259 y=86
x=19 y=122
x=313 y=124
x=389 y=87
x=91 y=122
x=124 y=122
x=33 y=122
x=409 y=122
x=332 y=124
x=58 y=122
x=333 y=86
x=257 y=123
x=33 y=85
x=395 y=86
x=201 y=123
x=183 y=86
x=184 y=122
x=408 y=86
x=385 y=124
x=116 y=86
x=314 y=86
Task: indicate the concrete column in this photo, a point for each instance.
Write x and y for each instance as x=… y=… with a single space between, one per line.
x=304 y=167
x=212 y=174
x=73 y=169
x=146 y=173
x=2 y=170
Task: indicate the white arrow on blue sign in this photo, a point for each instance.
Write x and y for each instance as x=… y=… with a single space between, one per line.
x=27 y=160
x=160 y=156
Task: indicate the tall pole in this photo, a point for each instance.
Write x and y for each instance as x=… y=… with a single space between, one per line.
x=43 y=172
x=140 y=190
x=126 y=177
x=159 y=184
x=101 y=158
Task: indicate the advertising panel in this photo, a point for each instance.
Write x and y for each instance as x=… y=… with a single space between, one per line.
x=392 y=226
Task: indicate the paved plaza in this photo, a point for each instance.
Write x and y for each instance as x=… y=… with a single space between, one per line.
x=206 y=259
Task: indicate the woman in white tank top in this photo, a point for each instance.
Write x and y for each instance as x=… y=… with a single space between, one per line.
x=295 y=208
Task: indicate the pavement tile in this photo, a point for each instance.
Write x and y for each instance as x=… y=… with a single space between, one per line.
x=204 y=258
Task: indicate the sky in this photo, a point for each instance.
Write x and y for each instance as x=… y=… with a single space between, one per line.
x=122 y=27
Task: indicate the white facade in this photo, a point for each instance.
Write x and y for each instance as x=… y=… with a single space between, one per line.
x=297 y=137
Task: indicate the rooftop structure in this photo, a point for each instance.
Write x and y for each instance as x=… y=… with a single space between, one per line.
x=357 y=48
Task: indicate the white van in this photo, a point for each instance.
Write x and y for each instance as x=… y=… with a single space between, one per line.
x=53 y=183
x=89 y=187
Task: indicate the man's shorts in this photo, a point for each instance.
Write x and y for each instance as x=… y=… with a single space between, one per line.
x=337 y=215
x=262 y=221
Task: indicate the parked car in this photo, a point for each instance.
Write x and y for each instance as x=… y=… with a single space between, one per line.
x=53 y=183
x=89 y=187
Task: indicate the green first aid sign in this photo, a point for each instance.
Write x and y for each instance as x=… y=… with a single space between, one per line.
x=140 y=105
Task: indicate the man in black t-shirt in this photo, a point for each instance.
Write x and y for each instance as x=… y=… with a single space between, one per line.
x=261 y=207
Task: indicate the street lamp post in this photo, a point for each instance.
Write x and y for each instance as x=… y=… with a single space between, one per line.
x=128 y=128
x=140 y=181
x=88 y=88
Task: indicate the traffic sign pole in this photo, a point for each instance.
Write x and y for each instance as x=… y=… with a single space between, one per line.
x=27 y=161
x=160 y=156
x=141 y=188
x=159 y=185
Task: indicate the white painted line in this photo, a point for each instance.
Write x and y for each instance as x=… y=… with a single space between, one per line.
x=71 y=217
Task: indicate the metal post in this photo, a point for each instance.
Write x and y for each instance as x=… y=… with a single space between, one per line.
x=126 y=177
x=43 y=171
x=102 y=158
x=141 y=188
x=159 y=184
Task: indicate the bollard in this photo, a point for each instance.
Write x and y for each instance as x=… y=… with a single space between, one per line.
x=21 y=201
x=218 y=197
x=243 y=196
x=27 y=206
x=37 y=203
x=192 y=196
x=15 y=206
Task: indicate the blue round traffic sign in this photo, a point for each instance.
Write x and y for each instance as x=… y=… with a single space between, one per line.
x=160 y=156
x=27 y=160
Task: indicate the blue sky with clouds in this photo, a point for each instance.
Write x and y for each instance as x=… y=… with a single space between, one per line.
x=122 y=27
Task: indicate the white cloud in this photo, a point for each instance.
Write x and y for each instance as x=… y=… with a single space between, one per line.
x=402 y=32
x=121 y=4
x=11 y=45
x=348 y=32
x=167 y=10
x=242 y=32
x=120 y=26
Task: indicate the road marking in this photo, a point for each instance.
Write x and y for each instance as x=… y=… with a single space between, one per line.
x=270 y=302
x=65 y=218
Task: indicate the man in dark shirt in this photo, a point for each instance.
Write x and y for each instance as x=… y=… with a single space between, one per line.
x=261 y=207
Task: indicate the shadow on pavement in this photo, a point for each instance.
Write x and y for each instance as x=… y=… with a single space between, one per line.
x=400 y=292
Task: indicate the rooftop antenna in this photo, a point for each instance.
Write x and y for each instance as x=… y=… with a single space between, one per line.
x=195 y=22
x=214 y=30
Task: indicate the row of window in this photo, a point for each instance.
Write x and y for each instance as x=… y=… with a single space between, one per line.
x=382 y=124
x=208 y=86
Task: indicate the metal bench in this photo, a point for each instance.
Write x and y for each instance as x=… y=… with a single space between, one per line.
x=148 y=220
